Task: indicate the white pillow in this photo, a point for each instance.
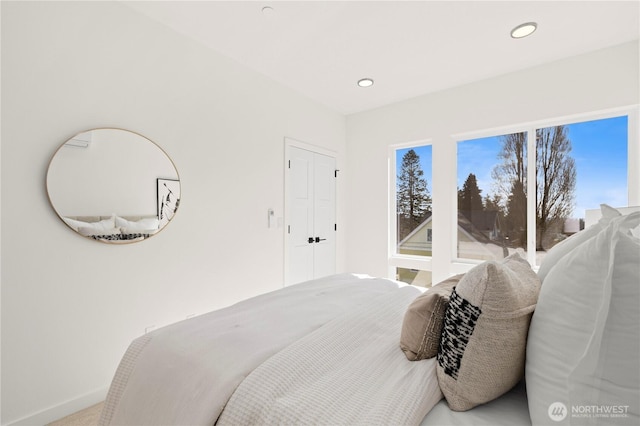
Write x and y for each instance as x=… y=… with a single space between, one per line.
x=559 y=250
x=149 y=224
x=92 y=230
x=584 y=345
x=138 y=231
x=105 y=224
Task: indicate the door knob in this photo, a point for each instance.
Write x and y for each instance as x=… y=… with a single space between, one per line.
x=318 y=239
x=310 y=240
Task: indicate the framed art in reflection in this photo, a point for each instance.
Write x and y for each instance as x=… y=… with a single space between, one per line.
x=168 y=199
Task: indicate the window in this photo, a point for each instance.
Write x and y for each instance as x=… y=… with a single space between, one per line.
x=522 y=188
x=578 y=167
x=492 y=200
x=414 y=276
x=573 y=167
x=413 y=201
x=411 y=242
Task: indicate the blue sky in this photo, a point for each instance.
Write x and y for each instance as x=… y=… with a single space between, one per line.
x=599 y=149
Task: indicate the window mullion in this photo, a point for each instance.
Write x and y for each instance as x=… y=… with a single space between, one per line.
x=633 y=167
x=531 y=196
x=393 y=219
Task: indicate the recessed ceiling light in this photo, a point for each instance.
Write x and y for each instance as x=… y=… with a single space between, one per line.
x=365 y=82
x=524 y=30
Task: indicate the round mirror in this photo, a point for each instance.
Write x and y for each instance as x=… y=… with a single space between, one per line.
x=113 y=185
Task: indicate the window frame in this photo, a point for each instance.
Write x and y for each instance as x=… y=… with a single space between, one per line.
x=444 y=261
x=633 y=174
x=462 y=261
x=395 y=259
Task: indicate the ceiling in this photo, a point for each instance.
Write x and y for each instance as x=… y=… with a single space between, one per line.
x=322 y=48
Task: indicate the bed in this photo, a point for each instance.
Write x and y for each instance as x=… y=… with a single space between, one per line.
x=501 y=344
x=114 y=228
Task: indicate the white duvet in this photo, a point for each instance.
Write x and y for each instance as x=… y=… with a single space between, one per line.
x=348 y=372
x=337 y=339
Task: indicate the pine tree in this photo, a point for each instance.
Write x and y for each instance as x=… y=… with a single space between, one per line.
x=517 y=215
x=493 y=203
x=412 y=197
x=469 y=197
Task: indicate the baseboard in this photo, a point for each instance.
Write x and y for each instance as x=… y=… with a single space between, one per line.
x=64 y=409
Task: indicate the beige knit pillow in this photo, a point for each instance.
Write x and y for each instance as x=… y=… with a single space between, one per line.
x=483 y=342
x=422 y=324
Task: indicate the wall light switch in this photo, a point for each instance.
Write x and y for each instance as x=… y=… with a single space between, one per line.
x=271 y=216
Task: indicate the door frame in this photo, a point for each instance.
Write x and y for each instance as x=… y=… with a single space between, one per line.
x=288 y=144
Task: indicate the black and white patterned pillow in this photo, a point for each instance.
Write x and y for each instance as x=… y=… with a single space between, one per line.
x=459 y=322
x=482 y=346
x=119 y=237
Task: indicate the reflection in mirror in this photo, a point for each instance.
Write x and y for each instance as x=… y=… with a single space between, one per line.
x=113 y=185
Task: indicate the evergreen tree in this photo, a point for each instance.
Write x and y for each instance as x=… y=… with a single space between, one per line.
x=493 y=204
x=412 y=197
x=510 y=180
x=516 y=220
x=469 y=197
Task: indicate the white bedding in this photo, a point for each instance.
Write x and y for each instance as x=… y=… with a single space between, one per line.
x=184 y=374
x=329 y=348
x=348 y=372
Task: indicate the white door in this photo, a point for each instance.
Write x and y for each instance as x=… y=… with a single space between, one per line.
x=311 y=225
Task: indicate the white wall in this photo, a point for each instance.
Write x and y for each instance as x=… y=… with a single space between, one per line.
x=115 y=174
x=70 y=306
x=597 y=81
